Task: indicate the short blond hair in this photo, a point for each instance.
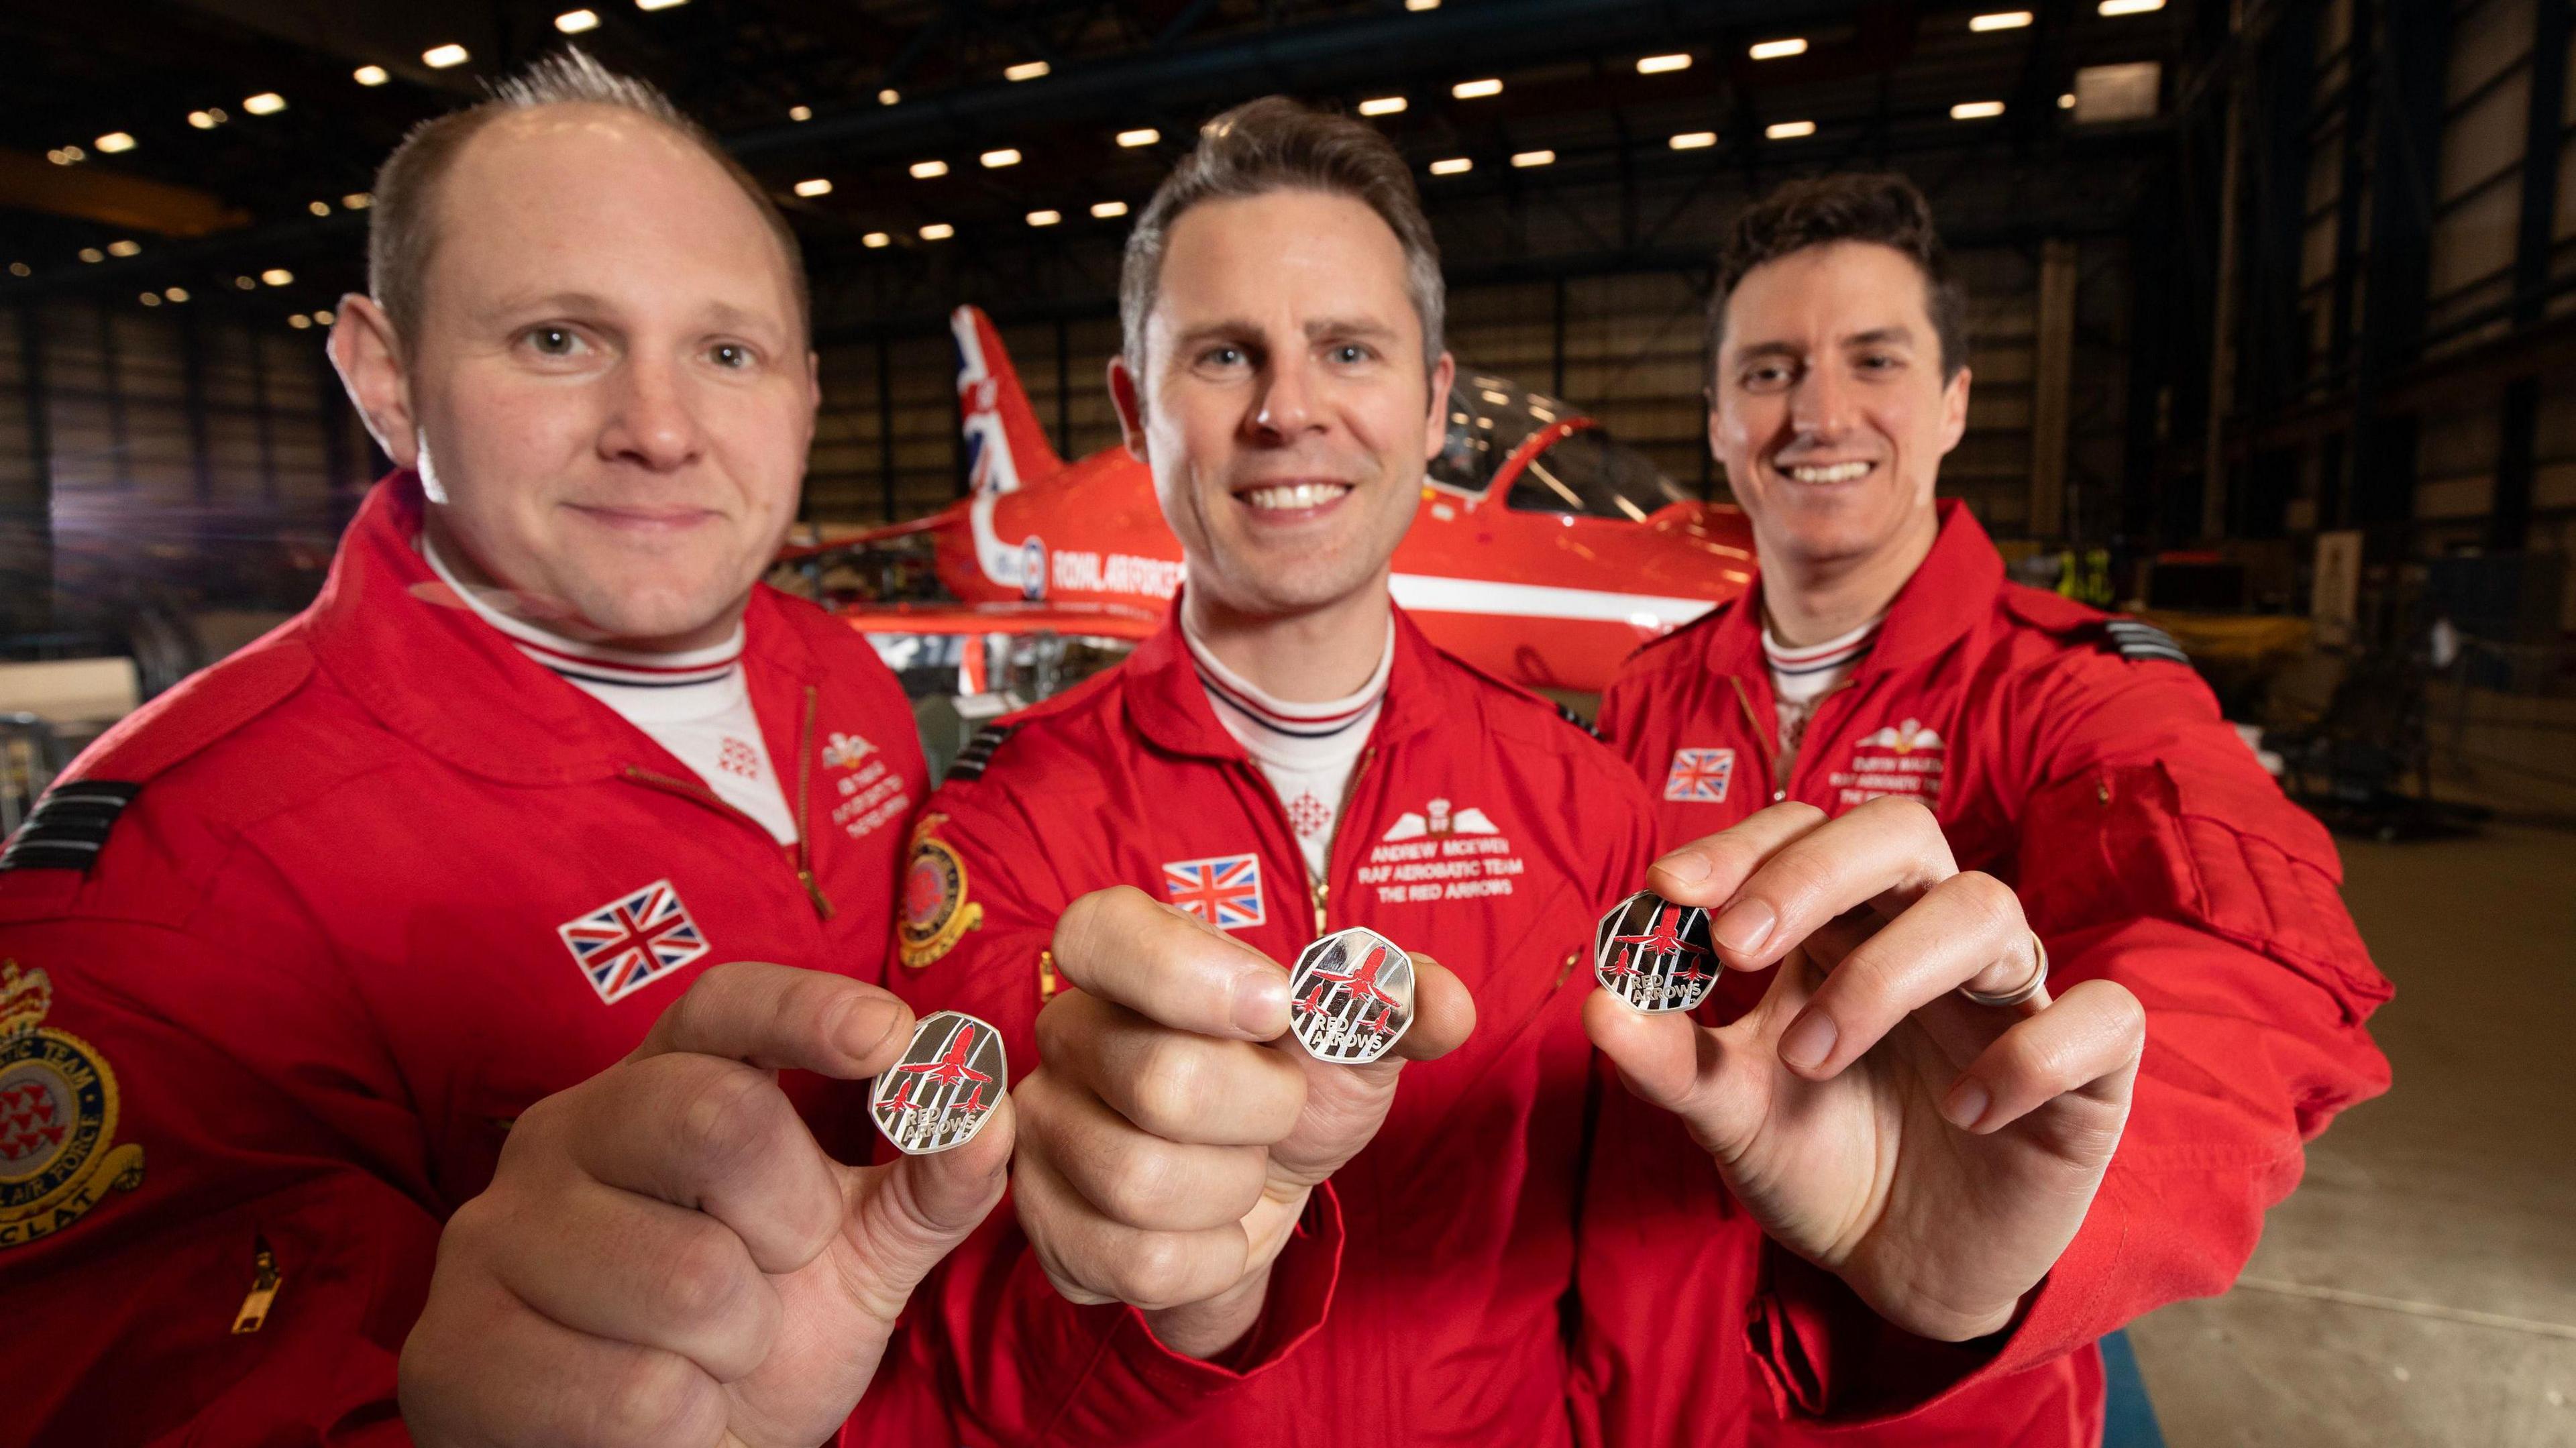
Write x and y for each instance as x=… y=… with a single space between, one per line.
x=402 y=228
x=1278 y=144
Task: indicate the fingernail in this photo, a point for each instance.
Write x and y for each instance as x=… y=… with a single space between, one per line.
x=1745 y=925
x=1687 y=867
x=1966 y=1104
x=1809 y=1040
x=868 y=1024
x=1261 y=1003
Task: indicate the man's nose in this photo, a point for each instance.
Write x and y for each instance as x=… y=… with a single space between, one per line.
x=1288 y=404
x=651 y=421
x=1821 y=404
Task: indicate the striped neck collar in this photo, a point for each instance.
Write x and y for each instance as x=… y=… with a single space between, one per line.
x=589 y=662
x=1326 y=720
x=1819 y=658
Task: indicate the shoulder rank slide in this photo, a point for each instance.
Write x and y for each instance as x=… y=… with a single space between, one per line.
x=69 y=826
x=978 y=752
x=2138 y=640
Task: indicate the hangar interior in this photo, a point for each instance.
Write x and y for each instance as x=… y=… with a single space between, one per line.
x=2272 y=309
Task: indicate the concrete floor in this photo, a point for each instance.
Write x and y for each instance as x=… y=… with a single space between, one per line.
x=2420 y=1287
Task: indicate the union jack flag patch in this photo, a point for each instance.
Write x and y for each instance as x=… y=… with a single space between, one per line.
x=1224 y=891
x=633 y=941
x=1700 y=776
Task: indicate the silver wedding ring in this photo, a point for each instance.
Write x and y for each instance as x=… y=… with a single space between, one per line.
x=2023 y=991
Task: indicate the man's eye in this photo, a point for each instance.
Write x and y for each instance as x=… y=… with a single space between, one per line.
x=1350 y=352
x=731 y=355
x=554 y=341
x=1223 y=356
x=1881 y=362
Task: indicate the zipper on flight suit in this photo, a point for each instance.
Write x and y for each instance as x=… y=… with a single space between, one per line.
x=1762 y=737
x=698 y=791
x=1321 y=885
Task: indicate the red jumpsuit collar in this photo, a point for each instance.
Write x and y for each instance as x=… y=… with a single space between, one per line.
x=1953 y=588
x=1168 y=705
x=391 y=635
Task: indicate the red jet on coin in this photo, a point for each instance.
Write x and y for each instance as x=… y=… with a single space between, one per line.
x=935 y=1098
x=1351 y=1013
x=1654 y=954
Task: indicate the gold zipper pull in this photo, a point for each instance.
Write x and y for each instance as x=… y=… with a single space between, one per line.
x=1321 y=889
x=822 y=907
x=263 y=1288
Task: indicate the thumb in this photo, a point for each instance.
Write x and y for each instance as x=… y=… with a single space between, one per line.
x=1661 y=1055
x=906 y=1215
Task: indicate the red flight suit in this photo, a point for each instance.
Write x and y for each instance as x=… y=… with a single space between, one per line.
x=2080 y=760
x=309 y=931
x=1421 y=1301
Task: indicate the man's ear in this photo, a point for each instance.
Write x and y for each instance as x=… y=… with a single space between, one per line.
x=1435 y=434
x=1954 y=411
x=1123 y=396
x=370 y=362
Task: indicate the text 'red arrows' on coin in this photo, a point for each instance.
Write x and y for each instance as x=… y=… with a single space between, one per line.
x=948 y=1082
x=1350 y=997
x=1654 y=954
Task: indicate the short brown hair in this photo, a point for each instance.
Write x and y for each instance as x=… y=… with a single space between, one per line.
x=402 y=229
x=1820 y=210
x=1278 y=144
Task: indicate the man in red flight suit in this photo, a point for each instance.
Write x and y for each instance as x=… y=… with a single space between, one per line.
x=1212 y=1243
x=1881 y=653
x=289 y=950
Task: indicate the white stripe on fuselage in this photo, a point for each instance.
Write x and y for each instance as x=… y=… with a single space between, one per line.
x=1423 y=593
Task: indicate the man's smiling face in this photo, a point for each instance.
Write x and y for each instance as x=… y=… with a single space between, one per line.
x=1830 y=411
x=1285 y=405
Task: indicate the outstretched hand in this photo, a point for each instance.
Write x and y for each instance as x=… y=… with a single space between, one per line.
x=1936 y=1154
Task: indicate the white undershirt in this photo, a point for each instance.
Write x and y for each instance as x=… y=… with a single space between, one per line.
x=694 y=703
x=1306 y=751
x=1801 y=678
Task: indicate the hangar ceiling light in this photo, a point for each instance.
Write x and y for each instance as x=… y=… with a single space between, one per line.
x=1779 y=49
x=1027 y=70
x=1421 y=5
x=996 y=160
x=1141 y=136
x=176 y=294
x=889 y=96
x=1694 y=140
x=1382 y=106
x=150 y=299
x=299 y=321
x=1658 y=64
x=2131 y=7
x=370 y=75
x=1788 y=130
x=67 y=155
x=2001 y=20
x=1045 y=218
x=938 y=231
x=358 y=200
x=929 y=170
x=123 y=248
x=874 y=239
x=207 y=120
x=658 y=4
x=1109 y=210
x=1453 y=166
x=92 y=255
x=800 y=113
x=113 y=142
x=1526 y=159
x=817 y=186
x=574 y=22
x=1476 y=90
x=1976 y=110
x=441 y=57
x=318 y=208
x=266 y=103
x=278 y=276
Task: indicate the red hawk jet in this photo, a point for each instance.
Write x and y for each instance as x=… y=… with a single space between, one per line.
x=1363 y=985
x=1541 y=551
x=1663 y=937
x=949 y=1070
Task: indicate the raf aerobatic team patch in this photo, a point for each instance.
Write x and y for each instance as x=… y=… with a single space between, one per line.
x=58 y=1151
x=936 y=912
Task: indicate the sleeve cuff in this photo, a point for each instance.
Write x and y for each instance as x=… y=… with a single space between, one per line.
x=1136 y=1380
x=1823 y=1354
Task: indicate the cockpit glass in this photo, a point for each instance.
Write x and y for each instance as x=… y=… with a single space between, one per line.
x=1587 y=473
x=1583 y=472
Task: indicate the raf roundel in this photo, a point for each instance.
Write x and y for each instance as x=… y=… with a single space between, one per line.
x=1351 y=997
x=1654 y=954
x=945 y=1088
